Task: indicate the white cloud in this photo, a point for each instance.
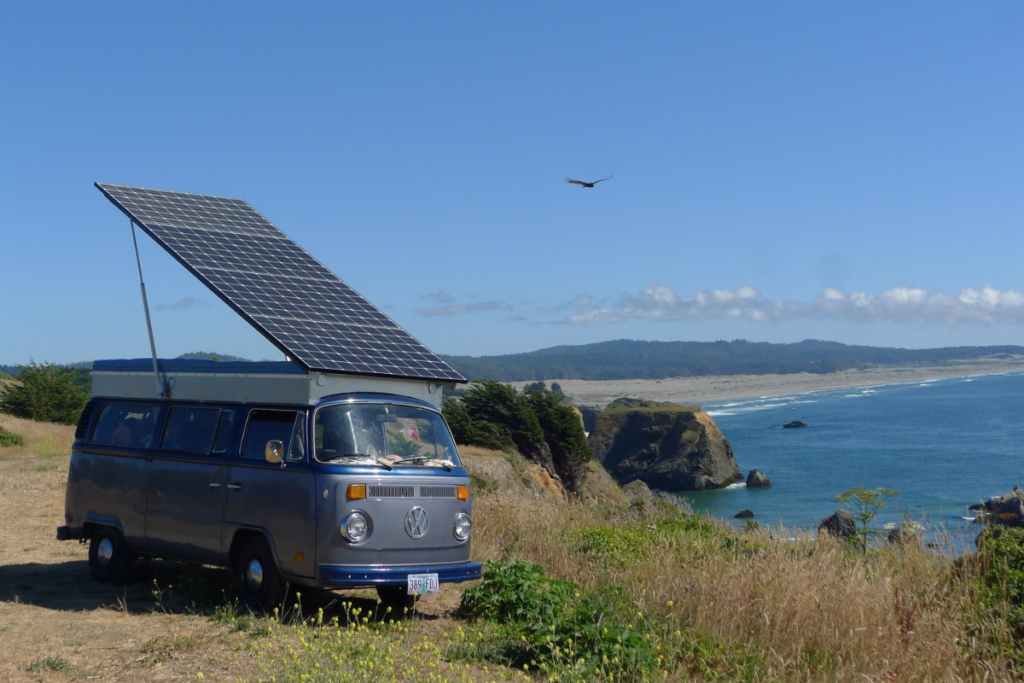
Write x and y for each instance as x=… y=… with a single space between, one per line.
x=441 y=297
x=463 y=309
x=187 y=302
x=899 y=304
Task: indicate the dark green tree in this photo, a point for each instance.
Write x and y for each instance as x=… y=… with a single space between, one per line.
x=563 y=432
x=506 y=419
x=44 y=392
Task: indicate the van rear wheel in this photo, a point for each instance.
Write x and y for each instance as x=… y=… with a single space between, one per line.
x=110 y=558
x=397 y=598
x=259 y=584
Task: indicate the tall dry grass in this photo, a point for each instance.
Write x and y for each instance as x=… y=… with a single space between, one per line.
x=805 y=609
x=42 y=439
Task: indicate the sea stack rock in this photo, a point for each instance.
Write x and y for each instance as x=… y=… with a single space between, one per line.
x=1007 y=509
x=667 y=446
x=744 y=514
x=795 y=424
x=758 y=480
x=841 y=524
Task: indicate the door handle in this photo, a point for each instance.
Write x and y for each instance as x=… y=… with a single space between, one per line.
x=234 y=487
x=216 y=485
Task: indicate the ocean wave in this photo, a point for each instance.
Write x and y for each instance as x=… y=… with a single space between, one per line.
x=738 y=485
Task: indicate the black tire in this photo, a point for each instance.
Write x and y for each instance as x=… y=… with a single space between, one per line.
x=110 y=558
x=260 y=586
x=397 y=598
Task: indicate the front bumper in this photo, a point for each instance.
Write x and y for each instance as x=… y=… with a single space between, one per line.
x=340 y=576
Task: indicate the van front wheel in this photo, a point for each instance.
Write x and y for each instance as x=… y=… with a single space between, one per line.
x=259 y=584
x=110 y=558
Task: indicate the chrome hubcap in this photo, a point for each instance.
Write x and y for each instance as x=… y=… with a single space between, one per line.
x=105 y=552
x=254 y=575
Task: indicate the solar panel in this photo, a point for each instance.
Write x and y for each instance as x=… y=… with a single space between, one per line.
x=279 y=288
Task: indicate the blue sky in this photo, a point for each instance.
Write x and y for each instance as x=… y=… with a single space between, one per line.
x=782 y=171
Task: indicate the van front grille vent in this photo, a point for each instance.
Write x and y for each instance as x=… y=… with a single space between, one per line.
x=385 y=491
x=437 y=492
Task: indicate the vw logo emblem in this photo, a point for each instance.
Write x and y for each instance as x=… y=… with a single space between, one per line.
x=416 y=522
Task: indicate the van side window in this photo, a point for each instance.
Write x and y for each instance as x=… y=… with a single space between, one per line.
x=190 y=429
x=121 y=424
x=286 y=426
x=225 y=431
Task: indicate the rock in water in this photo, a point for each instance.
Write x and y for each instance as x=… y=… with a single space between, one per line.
x=758 y=480
x=744 y=514
x=841 y=524
x=795 y=424
x=1007 y=509
x=668 y=447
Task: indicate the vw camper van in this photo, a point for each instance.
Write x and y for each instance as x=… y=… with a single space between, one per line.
x=281 y=475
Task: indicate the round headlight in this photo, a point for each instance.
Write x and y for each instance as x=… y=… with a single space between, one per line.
x=462 y=526
x=354 y=527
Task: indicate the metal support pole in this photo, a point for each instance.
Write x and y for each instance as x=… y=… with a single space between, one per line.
x=160 y=387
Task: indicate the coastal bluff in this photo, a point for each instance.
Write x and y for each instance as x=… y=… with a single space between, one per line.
x=664 y=445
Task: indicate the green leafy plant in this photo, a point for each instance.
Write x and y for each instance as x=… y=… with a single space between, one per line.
x=864 y=504
x=1001 y=553
x=555 y=629
x=10 y=438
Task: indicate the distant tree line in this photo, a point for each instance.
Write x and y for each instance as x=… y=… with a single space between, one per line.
x=536 y=423
x=628 y=359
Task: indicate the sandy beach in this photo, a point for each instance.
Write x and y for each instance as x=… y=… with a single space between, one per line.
x=700 y=390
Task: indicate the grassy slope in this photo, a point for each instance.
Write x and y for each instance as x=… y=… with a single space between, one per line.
x=716 y=604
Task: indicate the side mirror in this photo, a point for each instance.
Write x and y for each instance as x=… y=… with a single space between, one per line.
x=274 y=452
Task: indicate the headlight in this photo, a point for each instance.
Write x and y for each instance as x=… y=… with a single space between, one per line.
x=462 y=526
x=355 y=527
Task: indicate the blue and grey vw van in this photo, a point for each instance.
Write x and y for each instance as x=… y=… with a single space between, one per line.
x=283 y=476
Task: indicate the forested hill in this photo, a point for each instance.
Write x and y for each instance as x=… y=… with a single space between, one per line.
x=627 y=359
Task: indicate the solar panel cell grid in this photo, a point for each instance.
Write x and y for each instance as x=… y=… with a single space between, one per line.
x=287 y=295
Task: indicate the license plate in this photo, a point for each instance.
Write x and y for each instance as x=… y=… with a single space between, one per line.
x=423 y=583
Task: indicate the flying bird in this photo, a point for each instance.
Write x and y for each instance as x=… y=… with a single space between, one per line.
x=583 y=184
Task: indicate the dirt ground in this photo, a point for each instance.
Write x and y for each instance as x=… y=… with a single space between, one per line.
x=57 y=624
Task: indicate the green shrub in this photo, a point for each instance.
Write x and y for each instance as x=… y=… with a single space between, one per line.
x=552 y=628
x=1001 y=553
x=517 y=592
x=10 y=438
x=624 y=543
x=45 y=393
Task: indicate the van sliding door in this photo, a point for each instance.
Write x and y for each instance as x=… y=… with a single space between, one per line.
x=185 y=496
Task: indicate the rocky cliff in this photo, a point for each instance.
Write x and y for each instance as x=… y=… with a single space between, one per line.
x=666 y=446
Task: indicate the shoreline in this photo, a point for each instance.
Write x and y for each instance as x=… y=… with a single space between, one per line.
x=712 y=388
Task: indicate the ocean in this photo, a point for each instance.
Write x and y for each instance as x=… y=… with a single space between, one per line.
x=941 y=444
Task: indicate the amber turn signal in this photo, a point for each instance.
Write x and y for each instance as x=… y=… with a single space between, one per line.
x=463 y=492
x=356 y=492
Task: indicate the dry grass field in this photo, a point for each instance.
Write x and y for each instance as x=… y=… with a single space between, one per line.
x=711 y=603
x=56 y=623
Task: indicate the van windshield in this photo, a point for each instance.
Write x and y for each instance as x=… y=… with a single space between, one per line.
x=384 y=434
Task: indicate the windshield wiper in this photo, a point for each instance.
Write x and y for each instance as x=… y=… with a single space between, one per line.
x=380 y=461
x=422 y=459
